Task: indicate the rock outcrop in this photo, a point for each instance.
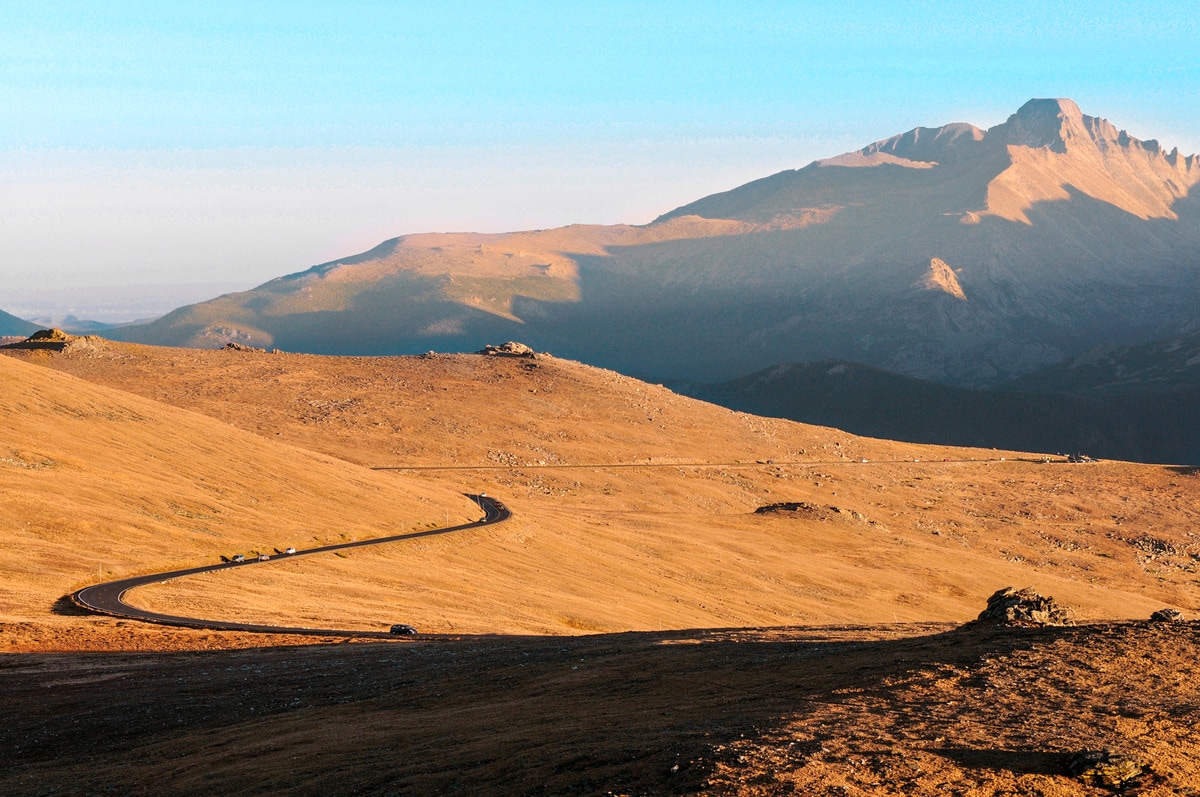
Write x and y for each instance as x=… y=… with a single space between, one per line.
x=1024 y=607
x=1167 y=616
x=510 y=349
x=1106 y=769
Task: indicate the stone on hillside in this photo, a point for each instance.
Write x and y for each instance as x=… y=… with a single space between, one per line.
x=1167 y=616
x=1106 y=769
x=510 y=349
x=1024 y=607
x=234 y=346
x=789 y=506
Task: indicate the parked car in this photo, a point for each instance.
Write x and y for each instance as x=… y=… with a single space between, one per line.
x=403 y=629
x=237 y=557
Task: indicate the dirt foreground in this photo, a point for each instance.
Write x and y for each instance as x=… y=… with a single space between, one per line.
x=835 y=711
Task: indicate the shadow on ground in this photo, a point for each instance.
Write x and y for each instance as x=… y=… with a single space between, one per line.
x=646 y=713
x=65 y=607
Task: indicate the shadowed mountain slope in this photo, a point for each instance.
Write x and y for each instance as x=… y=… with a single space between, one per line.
x=11 y=325
x=1161 y=366
x=951 y=253
x=1147 y=426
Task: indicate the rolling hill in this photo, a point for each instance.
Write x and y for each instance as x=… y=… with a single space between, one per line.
x=636 y=508
x=97 y=483
x=952 y=253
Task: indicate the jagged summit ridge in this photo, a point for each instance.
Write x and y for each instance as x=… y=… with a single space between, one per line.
x=1056 y=124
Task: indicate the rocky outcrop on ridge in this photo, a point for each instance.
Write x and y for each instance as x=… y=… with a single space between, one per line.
x=1024 y=607
x=1167 y=616
x=510 y=349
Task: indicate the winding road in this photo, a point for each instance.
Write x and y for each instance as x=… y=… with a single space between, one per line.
x=109 y=598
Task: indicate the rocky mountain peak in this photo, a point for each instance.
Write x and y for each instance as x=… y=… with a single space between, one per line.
x=1059 y=125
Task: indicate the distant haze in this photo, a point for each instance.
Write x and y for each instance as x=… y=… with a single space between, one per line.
x=115 y=304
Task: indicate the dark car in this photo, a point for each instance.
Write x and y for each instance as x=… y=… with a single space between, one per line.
x=403 y=629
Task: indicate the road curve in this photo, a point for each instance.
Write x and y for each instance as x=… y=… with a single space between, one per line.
x=109 y=598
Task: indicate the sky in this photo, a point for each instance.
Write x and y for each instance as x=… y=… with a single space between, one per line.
x=224 y=144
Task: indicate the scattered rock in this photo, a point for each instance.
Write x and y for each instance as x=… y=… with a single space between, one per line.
x=792 y=506
x=1167 y=616
x=1024 y=607
x=89 y=345
x=805 y=509
x=1106 y=769
x=510 y=349
x=241 y=347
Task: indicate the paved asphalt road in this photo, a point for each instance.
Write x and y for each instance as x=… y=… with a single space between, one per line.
x=108 y=598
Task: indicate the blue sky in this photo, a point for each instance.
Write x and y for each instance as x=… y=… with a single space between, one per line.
x=233 y=142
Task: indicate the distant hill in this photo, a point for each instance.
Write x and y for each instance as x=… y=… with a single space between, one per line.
x=1149 y=426
x=952 y=253
x=11 y=325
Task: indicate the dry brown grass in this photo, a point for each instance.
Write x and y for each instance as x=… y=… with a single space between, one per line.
x=658 y=544
x=96 y=482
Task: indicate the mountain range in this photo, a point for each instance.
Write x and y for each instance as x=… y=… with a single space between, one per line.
x=957 y=254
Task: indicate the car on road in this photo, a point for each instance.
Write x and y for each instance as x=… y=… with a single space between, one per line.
x=262 y=557
x=403 y=629
x=290 y=551
x=237 y=557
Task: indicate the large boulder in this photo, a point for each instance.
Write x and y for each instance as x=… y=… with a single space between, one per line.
x=1024 y=607
x=1167 y=616
x=1106 y=769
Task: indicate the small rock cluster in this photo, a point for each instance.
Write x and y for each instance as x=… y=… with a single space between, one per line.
x=1105 y=769
x=1024 y=607
x=789 y=506
x=510 y=349
x=1167 y=616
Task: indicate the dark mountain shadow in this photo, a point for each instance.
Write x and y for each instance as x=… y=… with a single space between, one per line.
x=862 y=400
